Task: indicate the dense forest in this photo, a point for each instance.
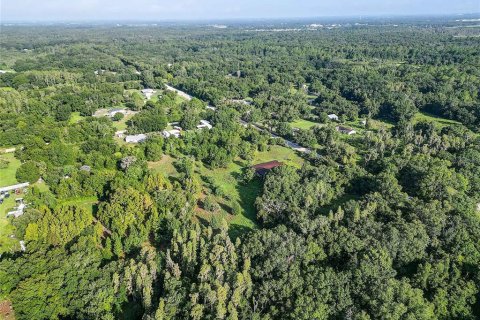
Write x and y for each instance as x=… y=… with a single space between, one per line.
x=373 y=211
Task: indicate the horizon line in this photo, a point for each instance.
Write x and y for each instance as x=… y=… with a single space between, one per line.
x=235 y=19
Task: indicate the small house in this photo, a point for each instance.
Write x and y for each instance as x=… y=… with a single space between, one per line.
x=333 y=117
x=85 y=168
x=204 y=124
x=171 y=133
x=18 y=211
x=120 y=133
x=148 y=93
x=136 y=138
x=346 y=130
x=262 y=169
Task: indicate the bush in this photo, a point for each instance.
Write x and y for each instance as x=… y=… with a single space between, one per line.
x=28 y=172
x=118 y=116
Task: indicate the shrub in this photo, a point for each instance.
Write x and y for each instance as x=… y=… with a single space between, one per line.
x=28 y=172
x=118 y=116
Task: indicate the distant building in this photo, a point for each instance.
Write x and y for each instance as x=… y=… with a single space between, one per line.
x=120 y=133
x=262 y=169
x=85 y=168
x=171 y=133
x=240 y=101
x=346 y=130
x=333 y=117
x=22 y=246
x=136 y=138
x=204 y=124
x=148 y=93
x=18 y=211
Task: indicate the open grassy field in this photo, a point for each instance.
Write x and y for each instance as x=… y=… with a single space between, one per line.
x=165 y=166
x=228 y=181
x=89 y=203
x=303 y=124
x=75 y=117
x=7 y=175
x=438 y=121
x=7 y=243
x=122 y=124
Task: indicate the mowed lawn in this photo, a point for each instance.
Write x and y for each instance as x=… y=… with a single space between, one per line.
x=75 y=117
x=438 y=121
x=89 y=203
x=232 y=190
x=7 y=243
x=7 y=175
x=303 y=124
x=7 y=178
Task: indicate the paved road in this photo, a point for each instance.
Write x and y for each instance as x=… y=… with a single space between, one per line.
x=185 y=95
x=182 y=94
x=290 y=144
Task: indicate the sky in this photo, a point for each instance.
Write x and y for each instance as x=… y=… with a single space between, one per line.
x=157 y=10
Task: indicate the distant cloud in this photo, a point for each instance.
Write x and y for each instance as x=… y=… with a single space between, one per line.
x=37 y=10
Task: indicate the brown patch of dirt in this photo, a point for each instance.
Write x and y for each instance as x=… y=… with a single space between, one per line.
x=6 y=310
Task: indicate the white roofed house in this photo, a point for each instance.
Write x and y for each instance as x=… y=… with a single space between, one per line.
x=171 y=133
x=137 y=138
x=204 y=124
x=346 y=130
x=333 y=117
x=19 y=209
x=120 y=133
x=148 y=93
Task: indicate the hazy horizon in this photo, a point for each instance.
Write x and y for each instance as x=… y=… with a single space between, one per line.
x=180 y=10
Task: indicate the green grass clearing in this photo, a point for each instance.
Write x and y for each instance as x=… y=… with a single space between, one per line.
x=438 y=121
x=7 y=175
x=165 y=166
x=7 y=243
x=228 y=180
x=88 y=203
x=232 y=190
x=303 y=124
x=75 y=117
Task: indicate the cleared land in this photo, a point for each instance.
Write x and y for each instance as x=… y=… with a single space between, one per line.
x=7 y=243
x=303 y=124
x=75 y=117
x=438 y=121
x=229 y=188
x=7 y=175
